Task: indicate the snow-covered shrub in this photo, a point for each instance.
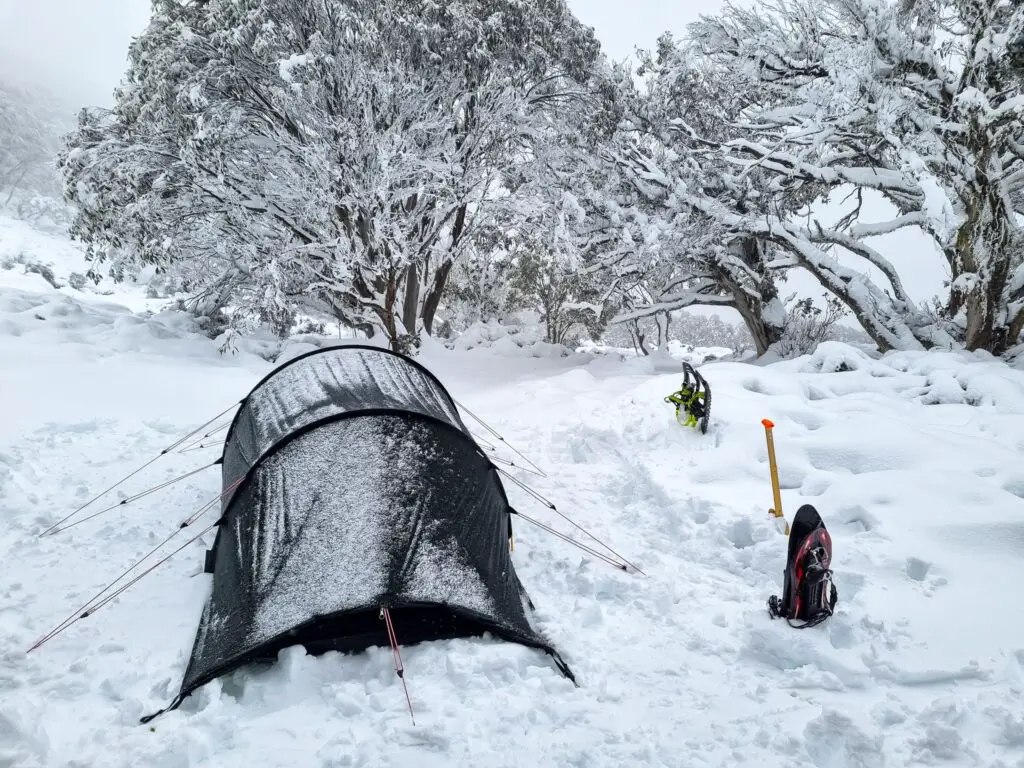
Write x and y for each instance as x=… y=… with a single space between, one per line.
x=567 y=303
x=520 y=334
x=835 y=357
x=807 y=326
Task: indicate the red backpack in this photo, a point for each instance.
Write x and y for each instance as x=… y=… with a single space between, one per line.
x=809 y=595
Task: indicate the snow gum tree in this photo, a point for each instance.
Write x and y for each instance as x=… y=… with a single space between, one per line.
x=918 y=100
x=696 y=220
x=30 y=129
x=540 y=246
x=327 y=155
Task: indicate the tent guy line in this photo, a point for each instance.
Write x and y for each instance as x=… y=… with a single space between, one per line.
x=125 y=587
x=211 y=433
x=550 y=505
x=509 y=463
x=88 y=609
x=494 y=432
x=200 y=446
x=132 y=474
x=624 y=567
x=130 y=499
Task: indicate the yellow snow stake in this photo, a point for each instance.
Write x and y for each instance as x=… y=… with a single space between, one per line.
x=769 y=425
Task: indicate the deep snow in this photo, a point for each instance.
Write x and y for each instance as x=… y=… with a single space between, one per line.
x=914 y=461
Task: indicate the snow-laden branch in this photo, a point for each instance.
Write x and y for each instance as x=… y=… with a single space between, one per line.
x=674 y=303
x=820 y=234
x=868 y=177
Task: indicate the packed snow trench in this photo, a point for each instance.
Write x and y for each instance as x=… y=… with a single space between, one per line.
x=915 y=461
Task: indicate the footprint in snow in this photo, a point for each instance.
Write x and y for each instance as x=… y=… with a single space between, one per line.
x=806 y=419
x=699 y=510
x=857 y=518
x=941 y=737
x=816 y=393
x=754 y=385
x=833 y=740
x=1015 y=486
x=917 y=569
x=921 y=571
x=816 y=484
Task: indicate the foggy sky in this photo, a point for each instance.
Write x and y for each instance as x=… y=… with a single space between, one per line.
x=77 y=48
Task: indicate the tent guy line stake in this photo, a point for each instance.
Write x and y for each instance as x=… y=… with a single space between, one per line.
x=589 y=550
x=399 y=666
x=568 y=519
x=134 y=498
x=88 y=608
x=490 y=429
x=127 y=477
x=91 y=607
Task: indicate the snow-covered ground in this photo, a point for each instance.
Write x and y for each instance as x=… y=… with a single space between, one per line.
x=915 y=461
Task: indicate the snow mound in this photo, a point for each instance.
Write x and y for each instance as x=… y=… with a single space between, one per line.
x=516 y=338
x=935 y=378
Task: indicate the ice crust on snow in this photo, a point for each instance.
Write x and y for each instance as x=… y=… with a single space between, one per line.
x=922 y=488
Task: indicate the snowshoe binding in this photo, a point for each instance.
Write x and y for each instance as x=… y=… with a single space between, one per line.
x=809 y=594
x=693 y=400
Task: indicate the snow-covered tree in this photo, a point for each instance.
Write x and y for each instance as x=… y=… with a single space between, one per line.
x=687 y=207
x=917 y=100
x=539 y=246
x=329 y=154
x=548 y=256
x=30 y=127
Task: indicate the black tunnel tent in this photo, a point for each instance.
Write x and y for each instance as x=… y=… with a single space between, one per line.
x=351 y=484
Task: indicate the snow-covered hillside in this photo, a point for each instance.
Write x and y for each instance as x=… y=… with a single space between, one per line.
x=914 y=461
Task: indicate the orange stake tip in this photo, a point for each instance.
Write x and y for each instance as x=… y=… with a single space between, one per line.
x=768 y=423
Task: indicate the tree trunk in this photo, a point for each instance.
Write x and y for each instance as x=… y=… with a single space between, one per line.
x=980 y=261
x=637 y=335
x=410 y=307
x=433 y=299
x=764 y=321
x=440 y=281
x=663 y=321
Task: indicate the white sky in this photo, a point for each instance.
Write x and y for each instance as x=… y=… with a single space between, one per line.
x=622 y=25
x=77 y=49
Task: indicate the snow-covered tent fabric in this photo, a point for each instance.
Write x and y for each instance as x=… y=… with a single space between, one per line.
x=351 y=485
